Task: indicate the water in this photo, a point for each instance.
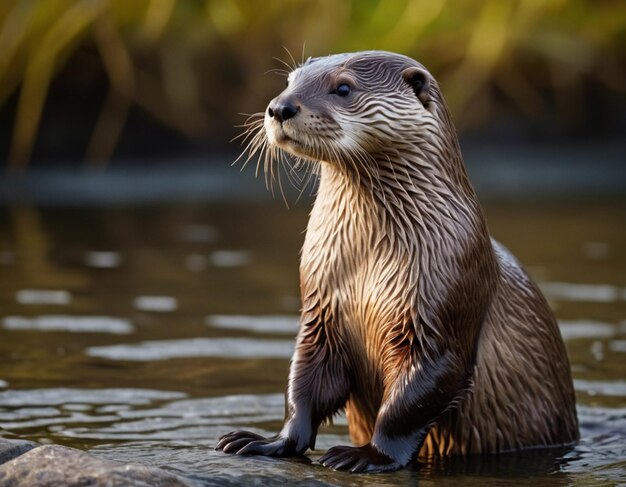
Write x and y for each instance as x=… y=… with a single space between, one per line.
x=142 y=334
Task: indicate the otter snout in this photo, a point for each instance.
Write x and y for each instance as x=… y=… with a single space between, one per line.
x=282 y=109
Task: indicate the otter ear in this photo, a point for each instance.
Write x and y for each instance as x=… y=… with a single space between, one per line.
x=419 y=80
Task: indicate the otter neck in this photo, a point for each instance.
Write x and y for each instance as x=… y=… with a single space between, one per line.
x=405 y=190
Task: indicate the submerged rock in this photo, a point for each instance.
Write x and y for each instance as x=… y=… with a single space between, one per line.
x=9 y=449
x=54 y=465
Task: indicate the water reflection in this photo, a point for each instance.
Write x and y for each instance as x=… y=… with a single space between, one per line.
x=265 y=324
x=155 y=303
x=75 y=324
x=601 y=293
x=196 y=347
x=574 y=329
x=43 y=296
x=174 y=335
x=149 y=426
x=31 y=244
x=230 y=258
x=103 y=260
x=62 y=395
x=601 y=388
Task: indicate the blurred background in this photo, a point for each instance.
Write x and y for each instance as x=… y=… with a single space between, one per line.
x=145 y=282
x=84 y=82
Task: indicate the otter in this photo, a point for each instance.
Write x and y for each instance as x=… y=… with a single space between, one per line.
x=414 y=320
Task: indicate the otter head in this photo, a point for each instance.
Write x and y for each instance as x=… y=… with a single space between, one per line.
x=345 y=106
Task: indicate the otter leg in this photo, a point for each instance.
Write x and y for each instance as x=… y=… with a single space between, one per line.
x=417 y=397
x=318 y=387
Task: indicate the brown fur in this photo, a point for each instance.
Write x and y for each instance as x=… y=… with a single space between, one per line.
x=426 y=330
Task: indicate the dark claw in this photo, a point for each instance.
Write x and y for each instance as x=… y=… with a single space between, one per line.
x=359 y=466
x=358 y=459
x=263 y=447
x=346 y=463
x=225 y=441
x=236 y=446
x=248 y=443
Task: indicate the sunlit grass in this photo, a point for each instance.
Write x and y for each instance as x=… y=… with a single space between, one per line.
x=184 y=61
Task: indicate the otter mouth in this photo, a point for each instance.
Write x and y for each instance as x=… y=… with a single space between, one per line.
x=288 y=137
x=283 y=138
x=286 y=141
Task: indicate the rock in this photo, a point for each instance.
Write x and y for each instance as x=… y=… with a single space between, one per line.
x=54 y=465
x=9 y=449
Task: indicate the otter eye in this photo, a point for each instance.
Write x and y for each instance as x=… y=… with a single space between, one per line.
x=343 y=90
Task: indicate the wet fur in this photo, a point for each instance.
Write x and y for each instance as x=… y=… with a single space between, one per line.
x=414 y=320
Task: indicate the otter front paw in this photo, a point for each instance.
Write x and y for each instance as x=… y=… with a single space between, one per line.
x=248 y=443
x=358 y=459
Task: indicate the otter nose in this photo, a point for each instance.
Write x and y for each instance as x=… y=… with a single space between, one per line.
x=282 y=110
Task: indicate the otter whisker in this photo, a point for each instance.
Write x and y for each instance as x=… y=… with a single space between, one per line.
x=245 y=135
x=261 y=149
x=280 y=72
x=252 y=123
x=254 y=145
x=293 y=61
x=251 y=115
x=281 y=163
x=291 y=68
x=303 y=187
x=269 y=169
x=268 y=156
x=294 y=179
x=295 y=171
x=251 y=131
x=298 y=172
x=274 y=167
x=303 y=48
x=251 y=118
x=310 y=169
x=262 y=155
x=315 y=174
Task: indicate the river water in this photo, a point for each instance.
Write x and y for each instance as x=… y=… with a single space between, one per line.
x=144 y=333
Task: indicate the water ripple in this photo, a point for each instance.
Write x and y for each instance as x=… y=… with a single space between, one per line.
x=62 y=395
x=565 y=291
x=574 y=329
x=615 y=388
x=196 y=347
x=268 y=324
x=43 y=296
x=155 y=303
x=80 y=324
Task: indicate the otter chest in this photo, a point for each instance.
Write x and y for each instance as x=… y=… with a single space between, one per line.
x=354 y=268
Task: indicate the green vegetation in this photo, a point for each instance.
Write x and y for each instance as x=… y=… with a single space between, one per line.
x=185 y=61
